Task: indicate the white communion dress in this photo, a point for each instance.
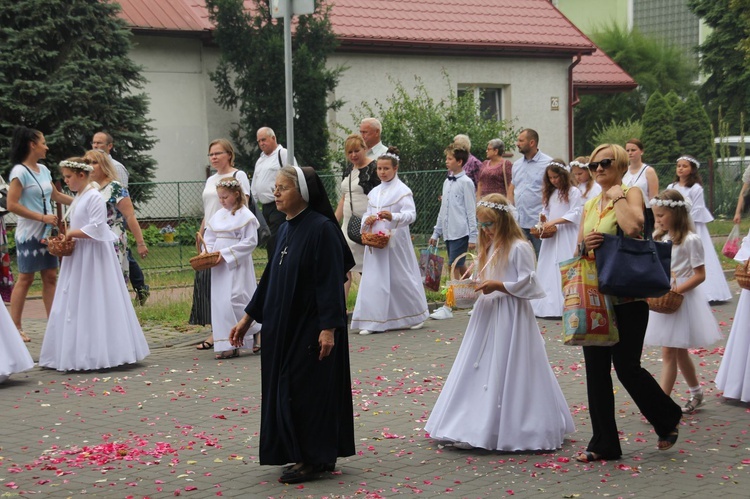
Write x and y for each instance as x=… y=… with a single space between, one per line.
x=233 y=280
x=693 y=324
x=715 y=287
x=14 y=356
x=92 y=324
x=556 y=249
x=734 y=372
x=501 y=393
x=391 y=294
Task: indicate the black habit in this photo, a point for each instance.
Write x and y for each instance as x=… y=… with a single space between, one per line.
x=306 y=410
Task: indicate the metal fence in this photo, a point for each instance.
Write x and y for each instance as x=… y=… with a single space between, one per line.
x=179 y=205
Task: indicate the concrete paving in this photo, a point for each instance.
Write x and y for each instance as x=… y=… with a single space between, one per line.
x=182 y=423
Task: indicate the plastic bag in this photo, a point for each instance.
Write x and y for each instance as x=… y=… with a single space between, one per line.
x=732 y=246
x=588 y=314
x=433 y=269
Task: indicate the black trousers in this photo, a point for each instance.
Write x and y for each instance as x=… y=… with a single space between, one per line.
x=659 y=408
x=274 y=219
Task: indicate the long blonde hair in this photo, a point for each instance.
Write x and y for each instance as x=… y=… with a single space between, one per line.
x=104 y=163
x=507 y=231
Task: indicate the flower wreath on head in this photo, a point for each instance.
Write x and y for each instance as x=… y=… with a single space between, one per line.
x=578 y=164
x=689 y=159
x=75 y=165
x=669 y=203
x=559 y=165
x=496 y=206
x=390 y=155
x=228 y=184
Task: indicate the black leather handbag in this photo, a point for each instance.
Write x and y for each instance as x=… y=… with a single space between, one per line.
x=354 y=229
x=635 y=268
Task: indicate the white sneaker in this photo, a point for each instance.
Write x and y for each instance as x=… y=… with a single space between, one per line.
x=442 y=313
x=364 y=331
x=417 y=326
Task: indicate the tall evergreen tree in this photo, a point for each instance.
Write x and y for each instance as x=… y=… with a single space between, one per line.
x=673 y=99
x=65 y=70
x=724 y=59
x=659 y=137
x=693 y=127
x=250 y=75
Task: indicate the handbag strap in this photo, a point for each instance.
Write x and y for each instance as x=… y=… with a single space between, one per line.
x=44 y=199
x=505 y=175
x=351 y=203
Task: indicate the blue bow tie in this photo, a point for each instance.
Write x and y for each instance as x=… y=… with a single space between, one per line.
x=451 y=178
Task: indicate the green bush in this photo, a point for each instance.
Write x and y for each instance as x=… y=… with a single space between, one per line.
x=617 y=132
x=152 y=236
x=422 y=127
x=185 y=232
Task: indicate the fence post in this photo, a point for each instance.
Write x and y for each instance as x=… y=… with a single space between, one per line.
x=711 y=203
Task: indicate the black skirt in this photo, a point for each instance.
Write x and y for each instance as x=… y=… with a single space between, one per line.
x=201 y=312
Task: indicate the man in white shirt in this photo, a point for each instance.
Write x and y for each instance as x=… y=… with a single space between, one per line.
x=104 y=142
x=525 y=191
x=370 y=129
x=272 y=158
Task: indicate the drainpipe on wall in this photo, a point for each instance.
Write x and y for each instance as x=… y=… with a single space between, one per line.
x=573 y=101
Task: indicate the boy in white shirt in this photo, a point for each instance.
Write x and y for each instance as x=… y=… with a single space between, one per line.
x=457 y=219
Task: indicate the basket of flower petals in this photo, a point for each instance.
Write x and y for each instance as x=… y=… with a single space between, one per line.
x=205 y=260
x=541 y=231
x=742 y=274
x=665 y=304
x=60 y=246
x=376 y=239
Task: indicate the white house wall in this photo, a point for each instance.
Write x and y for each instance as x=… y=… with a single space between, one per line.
x=186 y=117
x=529 y=85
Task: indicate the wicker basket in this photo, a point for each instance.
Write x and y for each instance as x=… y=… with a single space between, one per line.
x=205 y=260
x=544 y=233
x=742 y=274
x=463 y=290
x=666 y=304
x=60 y=246
x=378 y=240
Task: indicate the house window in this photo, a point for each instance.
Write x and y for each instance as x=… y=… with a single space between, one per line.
x=490 y=99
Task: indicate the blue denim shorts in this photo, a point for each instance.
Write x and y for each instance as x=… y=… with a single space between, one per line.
x=455 y=248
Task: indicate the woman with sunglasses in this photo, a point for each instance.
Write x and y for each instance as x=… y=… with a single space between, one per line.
x=619 y=205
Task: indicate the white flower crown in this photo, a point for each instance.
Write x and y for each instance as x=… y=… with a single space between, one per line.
x=496 y=206
x=578 y=164
x=689 y=159
x=559 y=165
x=668 y=203
x=75 y=165
x=390 y=155
x=231 y=183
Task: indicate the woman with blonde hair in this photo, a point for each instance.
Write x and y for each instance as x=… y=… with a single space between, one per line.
x=619 y=206
x=360 y=177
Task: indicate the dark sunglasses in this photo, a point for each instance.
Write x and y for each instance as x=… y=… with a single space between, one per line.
x=605 y=163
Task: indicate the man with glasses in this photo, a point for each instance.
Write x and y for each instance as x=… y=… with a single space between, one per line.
x=104 y=142
x=272 y=158
x=525 y=191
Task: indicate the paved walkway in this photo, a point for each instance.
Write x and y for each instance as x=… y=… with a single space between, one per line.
x=182 y=423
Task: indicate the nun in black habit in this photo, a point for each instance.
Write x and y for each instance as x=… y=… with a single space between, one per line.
x=306 y=411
